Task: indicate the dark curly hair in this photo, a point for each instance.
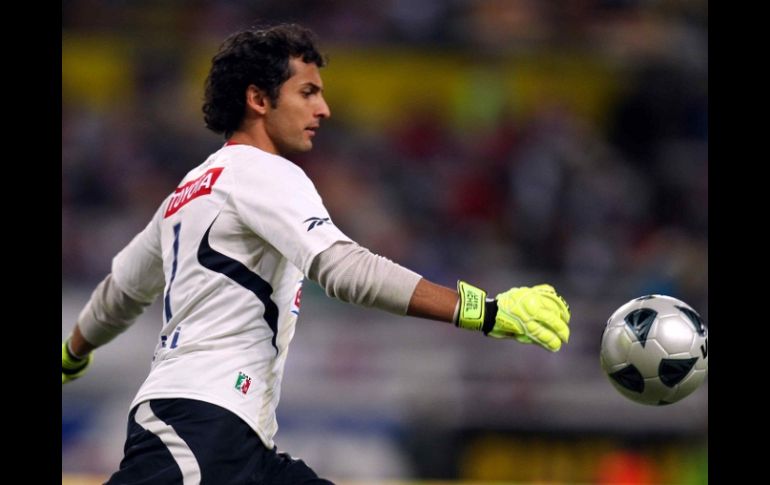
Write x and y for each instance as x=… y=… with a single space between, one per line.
x=255 y=56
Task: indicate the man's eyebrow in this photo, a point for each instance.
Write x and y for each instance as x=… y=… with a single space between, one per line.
x=313 y=86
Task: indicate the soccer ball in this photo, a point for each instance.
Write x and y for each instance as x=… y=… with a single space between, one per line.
x=655 y=350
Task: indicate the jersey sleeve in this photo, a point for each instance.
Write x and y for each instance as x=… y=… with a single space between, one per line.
x=138 y=268
x=280 y=204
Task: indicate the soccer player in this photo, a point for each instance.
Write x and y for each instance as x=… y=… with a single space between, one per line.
x=227 y=251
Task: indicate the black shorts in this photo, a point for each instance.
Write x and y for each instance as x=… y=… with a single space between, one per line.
x=189 y=442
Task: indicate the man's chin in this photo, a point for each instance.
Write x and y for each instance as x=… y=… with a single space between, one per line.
x=296 y=149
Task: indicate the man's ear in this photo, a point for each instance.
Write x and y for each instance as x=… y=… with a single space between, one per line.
x=257 y=99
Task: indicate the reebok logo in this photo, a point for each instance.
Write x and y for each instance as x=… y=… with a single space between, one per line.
x=316 y=221
x=193 y=189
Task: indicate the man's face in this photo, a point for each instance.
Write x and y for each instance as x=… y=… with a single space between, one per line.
x=292 y=124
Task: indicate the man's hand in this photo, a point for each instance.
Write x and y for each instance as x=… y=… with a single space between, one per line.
x=533 y=315
x=530 y=315
x=71 y=366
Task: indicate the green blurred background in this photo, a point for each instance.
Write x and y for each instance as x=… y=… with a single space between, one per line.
x=503 y=142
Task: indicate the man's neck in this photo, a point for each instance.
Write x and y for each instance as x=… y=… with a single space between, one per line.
x=255 y=137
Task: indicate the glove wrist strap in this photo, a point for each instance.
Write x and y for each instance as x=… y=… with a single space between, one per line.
x=472 y=308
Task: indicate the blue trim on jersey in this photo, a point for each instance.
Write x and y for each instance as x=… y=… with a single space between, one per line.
x=238 y=272
x=167 y=300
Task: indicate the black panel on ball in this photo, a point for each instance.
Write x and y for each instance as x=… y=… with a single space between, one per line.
x=629 y=378
x=640 y=321
x=672 y=371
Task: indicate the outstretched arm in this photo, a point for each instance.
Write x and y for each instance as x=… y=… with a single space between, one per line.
x=134 y=283
x=109 y=312
x=433 y=301
x=353 y=274
x=530 y=315
x=78 y=345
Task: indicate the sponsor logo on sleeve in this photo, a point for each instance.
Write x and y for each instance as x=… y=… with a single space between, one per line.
x=316 y=221
x=192 y=190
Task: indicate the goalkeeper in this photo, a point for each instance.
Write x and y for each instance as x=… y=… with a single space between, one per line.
x=228 y=250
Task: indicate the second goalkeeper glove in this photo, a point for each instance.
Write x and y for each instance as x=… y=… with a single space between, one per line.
x=71 y=366
x=529 y=315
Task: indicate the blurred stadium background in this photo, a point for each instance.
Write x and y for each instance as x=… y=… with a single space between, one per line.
x=502 y=141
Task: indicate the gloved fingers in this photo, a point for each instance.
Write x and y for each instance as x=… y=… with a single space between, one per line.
x=524 y=339
x=535 y=333
x=547 y=308
x=547 y=329
x=549 y=293
x=543 y=336
x=554 y=322
x=536 y=314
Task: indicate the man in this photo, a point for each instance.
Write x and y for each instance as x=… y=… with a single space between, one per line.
x=228 y=251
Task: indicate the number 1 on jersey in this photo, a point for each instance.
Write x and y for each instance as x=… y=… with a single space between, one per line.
x=167 y=299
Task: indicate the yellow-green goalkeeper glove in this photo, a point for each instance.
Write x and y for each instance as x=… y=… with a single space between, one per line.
x=530 y=315
x=71 y=366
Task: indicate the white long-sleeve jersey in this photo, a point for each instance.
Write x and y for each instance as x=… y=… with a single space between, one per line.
x=228 y=250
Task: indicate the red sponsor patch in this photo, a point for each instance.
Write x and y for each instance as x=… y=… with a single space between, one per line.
x=195 y=188
x=298 y=298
